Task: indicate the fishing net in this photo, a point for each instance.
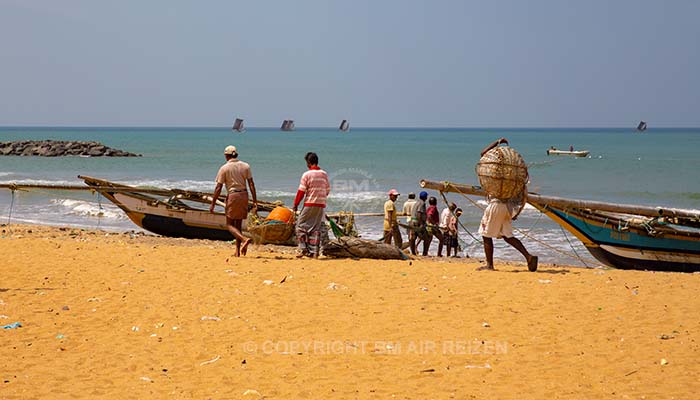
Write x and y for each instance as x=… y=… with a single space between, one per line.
x=503 y=173
x=270 y=231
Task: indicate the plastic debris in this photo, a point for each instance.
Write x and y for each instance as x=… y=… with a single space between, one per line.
x=335 y=286
x=663 y=362
x=135 y=328
x=486 y=325
x=92 y=299
x=213 y=360
x=267 y=282
x=146 y=379
x=60 y=336
x=208 y=318
x=12 y=326
x=4 y=317
x=251 y=392
x=545 y=281
x=487 y=366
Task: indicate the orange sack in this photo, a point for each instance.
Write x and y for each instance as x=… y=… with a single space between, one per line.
x=283 y=214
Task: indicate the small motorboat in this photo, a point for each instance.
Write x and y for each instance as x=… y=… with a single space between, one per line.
x=574 y=153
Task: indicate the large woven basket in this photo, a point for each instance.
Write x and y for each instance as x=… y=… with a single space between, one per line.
x=272 y=232
x=502 y=173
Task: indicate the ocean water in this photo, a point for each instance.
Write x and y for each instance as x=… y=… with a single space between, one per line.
x=657 y=167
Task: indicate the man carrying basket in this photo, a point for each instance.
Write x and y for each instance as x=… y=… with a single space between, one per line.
x=496 y=222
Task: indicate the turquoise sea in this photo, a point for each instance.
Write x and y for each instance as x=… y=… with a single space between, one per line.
x=656 y=167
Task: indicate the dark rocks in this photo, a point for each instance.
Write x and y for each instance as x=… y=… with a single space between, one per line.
x=58 y=148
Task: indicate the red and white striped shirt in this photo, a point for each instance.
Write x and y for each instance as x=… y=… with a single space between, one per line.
x=315 y=186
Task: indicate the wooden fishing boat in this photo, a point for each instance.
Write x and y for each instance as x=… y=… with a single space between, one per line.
x=642 y=126
x=618 y=235
x=575 y=153
x=185 y=213
x=171 y=212
x=344 y=126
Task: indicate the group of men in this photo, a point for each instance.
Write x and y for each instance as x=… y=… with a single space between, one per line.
x=314 y=188
x=423 y=223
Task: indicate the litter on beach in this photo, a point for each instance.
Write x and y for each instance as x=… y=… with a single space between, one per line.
x=213 y=360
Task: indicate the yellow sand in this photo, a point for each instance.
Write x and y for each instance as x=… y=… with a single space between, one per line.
x=120 y=316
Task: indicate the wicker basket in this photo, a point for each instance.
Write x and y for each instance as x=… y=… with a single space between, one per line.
x=502 y=173
x=272 y=232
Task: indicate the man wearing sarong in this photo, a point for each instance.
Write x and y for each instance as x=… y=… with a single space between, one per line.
x=234 y=174
x=496 y=223
x=418 y=222
x=408 y=210
x=445 y=217
x=311 y=229
x=391 y=224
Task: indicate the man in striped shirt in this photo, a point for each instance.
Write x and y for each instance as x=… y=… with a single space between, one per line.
x=311 y=229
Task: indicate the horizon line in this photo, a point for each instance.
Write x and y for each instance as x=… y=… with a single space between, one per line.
x=333 y=127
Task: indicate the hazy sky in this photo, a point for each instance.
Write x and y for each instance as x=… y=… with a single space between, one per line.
x=380 y=63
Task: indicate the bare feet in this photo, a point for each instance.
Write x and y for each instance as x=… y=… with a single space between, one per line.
x=244 y=246
x=486 y=268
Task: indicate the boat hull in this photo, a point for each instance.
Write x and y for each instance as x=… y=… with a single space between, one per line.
x=162 y=219
x=625 y=247
x=175 y=227
x=581 y=153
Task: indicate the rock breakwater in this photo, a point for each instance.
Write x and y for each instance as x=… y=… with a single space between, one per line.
x=58 y=148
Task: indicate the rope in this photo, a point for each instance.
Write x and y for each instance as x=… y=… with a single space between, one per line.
x=444 y=198
x=12 y=203
x=575 y=255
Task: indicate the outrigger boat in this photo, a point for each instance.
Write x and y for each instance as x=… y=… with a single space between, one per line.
x=618 y=235
x=171 y=212
x=185 y=213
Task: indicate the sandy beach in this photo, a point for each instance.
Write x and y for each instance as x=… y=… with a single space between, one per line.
x=123 y=315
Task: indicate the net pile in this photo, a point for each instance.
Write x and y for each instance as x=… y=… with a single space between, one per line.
x=502 y=173
x=270 y=231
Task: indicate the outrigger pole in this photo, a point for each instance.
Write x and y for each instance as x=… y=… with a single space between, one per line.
x=568 y=203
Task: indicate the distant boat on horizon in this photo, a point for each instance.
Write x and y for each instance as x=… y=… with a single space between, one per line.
x=344 y=126
x=642 y=126
x=287 y=125
x=238 y=126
